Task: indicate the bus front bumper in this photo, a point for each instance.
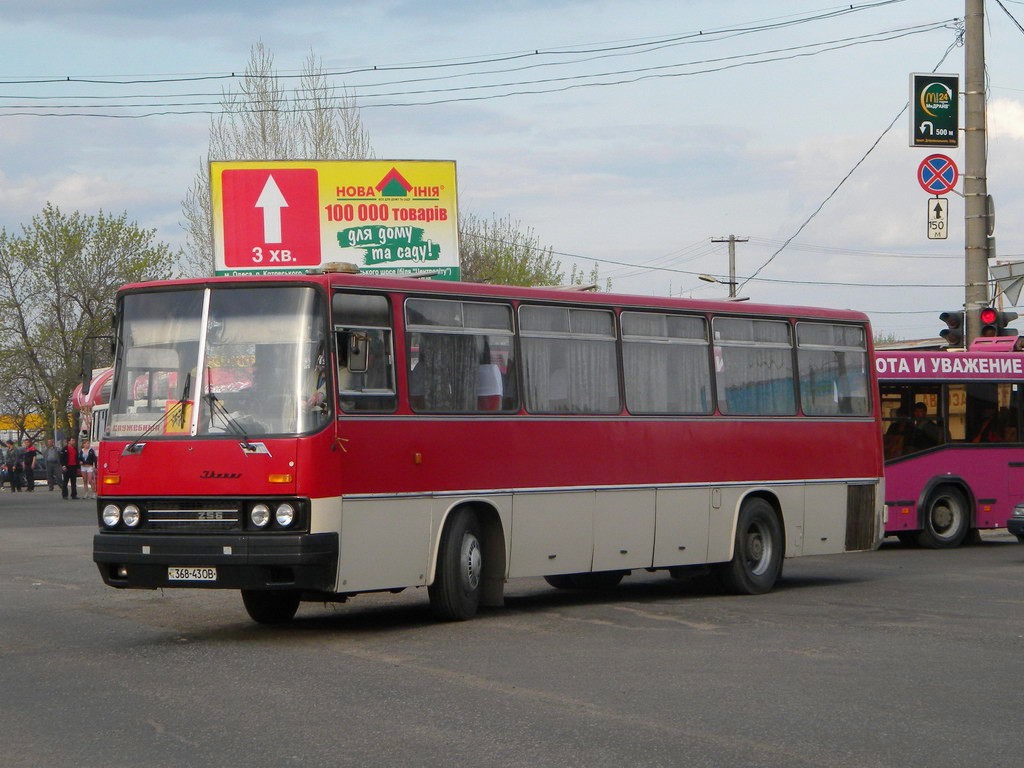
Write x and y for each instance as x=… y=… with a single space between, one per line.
x=301 y=561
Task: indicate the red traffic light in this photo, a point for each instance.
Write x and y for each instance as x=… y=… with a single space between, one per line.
x=989 y=316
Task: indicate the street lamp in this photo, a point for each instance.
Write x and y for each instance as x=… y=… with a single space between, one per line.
x=731 y=283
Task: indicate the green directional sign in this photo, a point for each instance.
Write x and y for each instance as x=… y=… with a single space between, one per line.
x=934 y=110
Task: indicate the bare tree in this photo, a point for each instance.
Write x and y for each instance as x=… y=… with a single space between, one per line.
x=264 y=120
x=58 y=279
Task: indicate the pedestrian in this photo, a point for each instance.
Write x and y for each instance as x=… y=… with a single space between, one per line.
x=88 y=462
x=8 y=477
x=28 y=463
x=12 y=458
x=51 y=461
x=69 y=467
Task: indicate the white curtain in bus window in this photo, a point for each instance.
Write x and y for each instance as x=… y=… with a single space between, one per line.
x=569 y=360
x=460 y=356
x=754 y=367
x=665 y=360
x=833 y=361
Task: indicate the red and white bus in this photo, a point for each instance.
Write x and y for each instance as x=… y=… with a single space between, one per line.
x=953 y=445
x=317 y=436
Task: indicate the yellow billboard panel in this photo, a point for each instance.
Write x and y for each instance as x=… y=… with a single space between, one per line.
x=386 y=216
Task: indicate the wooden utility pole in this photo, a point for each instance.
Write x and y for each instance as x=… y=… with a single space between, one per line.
x=731 y=240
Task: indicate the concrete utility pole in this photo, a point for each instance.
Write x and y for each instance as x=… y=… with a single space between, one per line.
x=976 y=224
x=731 y=240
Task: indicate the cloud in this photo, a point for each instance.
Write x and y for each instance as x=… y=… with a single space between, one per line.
x=1006 y=119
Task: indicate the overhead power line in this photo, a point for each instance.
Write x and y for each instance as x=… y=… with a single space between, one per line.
x=623 y=48
x=176 y=105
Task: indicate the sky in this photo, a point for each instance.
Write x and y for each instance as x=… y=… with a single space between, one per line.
x=630 y=135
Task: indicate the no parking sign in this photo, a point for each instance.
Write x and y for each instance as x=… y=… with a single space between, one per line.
x=937 y=174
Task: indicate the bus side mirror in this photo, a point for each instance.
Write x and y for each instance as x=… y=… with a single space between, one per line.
x=358 y=348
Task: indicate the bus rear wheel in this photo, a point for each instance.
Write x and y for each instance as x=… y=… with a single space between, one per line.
x=455 y=593
x=266 y=606
x=946 y=519
x=757 y=556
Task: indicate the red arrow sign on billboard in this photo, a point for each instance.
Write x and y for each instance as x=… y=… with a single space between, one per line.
x=271 y=218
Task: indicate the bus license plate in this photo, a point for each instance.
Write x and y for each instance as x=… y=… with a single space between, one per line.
x=191 y=574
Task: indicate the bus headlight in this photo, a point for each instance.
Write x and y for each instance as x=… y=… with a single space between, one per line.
x=131 y=516
x=285 y=515
x=1018 y=511
x=111 y=515
x=259 y=515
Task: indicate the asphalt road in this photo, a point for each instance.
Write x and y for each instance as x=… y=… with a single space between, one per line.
x=891 y=658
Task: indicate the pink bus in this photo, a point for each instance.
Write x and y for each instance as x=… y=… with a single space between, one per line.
x=954 y=458
x=312 y=437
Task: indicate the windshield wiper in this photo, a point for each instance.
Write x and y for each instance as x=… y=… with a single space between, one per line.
x=177 y=410
x=216 y=406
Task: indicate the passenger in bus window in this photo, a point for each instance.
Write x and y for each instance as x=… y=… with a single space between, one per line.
x=924 y=431
x=1006 y=420
x=991 y=428
x=896 y=434
x=417 y=382
x=489 y=384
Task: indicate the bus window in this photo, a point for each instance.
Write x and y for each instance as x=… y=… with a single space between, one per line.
x=990 y=413
x=569 y=360
x=460 y=357
x=366 y=373
x=833 y=362
x=665 y=359
x=913 y=419
x=754 y=367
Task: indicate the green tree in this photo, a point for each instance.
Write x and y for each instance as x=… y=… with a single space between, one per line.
x=265 y=120
x=887 y=338
x=58 y=279
x=501 y=251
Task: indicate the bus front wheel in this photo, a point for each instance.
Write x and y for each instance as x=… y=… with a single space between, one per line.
x=946 y=519
x=757 y=556
x=455 y=593
x=266 y=606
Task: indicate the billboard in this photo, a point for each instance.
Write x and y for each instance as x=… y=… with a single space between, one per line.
x=385 y=216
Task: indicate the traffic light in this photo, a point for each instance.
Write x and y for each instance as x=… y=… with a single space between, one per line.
x=953 y=333
x=994 y=322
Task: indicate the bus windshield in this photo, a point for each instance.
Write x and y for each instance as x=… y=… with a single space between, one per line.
x=253 y=358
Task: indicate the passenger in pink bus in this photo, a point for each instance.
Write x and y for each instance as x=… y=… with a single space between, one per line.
x=924 y=432
x=991 y=430
x=1006 y=421
x=896 y=434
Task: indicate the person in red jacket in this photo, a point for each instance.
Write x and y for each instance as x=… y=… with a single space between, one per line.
x=69 y=462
